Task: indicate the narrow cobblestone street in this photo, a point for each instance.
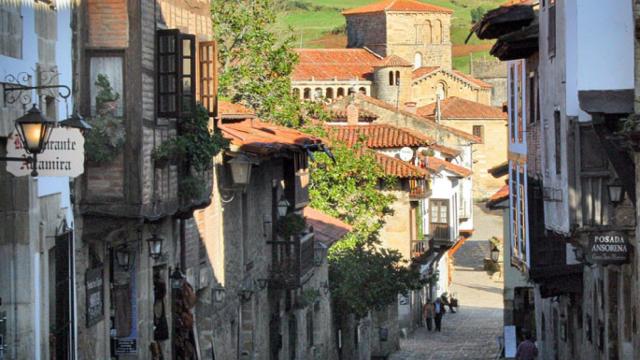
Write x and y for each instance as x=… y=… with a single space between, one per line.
x=472 y=332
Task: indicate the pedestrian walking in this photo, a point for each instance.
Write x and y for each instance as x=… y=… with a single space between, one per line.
x=427 y=311
x=527 y=350
x=445 y=301
x=439 y=311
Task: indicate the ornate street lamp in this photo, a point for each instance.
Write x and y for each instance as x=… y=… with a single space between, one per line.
x=76 y=121
x=34 y=131
x=283 y=206
x=319 y=253
x=155 y=246
x=123 y=257
x=616 y=192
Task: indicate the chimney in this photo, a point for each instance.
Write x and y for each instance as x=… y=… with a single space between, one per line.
x=411 y=107
x=353 y=114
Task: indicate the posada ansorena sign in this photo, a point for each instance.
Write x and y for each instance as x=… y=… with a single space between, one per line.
x=609 y=247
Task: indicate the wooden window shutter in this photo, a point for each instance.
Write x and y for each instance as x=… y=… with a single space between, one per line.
x=167 y=56
x=208 y=62
x=187 y=75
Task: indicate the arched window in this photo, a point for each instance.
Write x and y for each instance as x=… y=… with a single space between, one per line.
x=441 y=90
x=427 y=32
x=437 y=32
x=329 y=93
x=296 y=93
x=362 y=90
x=317 y=94
x=397 y=77
x=340 y=92
x=391 y=82
x=417 y=61
x=307 y=93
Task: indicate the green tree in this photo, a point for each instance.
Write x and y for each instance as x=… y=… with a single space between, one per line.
x=255 y=64
x=363 y=275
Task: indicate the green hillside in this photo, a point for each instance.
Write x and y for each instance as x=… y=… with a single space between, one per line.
x=319 y=23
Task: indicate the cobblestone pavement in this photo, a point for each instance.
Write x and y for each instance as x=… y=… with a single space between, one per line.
x=470 y=333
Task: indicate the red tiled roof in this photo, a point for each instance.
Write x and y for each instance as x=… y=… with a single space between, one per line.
x=455 y=108
x=422 y=71
x=340 y=114
x=327 y=229
x=434 y=164
x=387 y=106
x=470 y=78
x=394 y=60
x=328 y=64
x=262 y=138
x=500 y=196
x=446 y=150
x=398 y=168
x=226 y=108
x=380 y=136
x=397 y=5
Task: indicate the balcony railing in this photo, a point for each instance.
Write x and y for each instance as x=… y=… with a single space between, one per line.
x=419 y=247
x=417 y=188
x=441 y=232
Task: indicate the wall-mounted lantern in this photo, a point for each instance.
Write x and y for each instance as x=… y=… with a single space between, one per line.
x=495 y=254
x=240 y=170
x=262 y=283
x=176 y=279
x=123 y=257
x=319 y=253
x=219 y=293
x=34 y=130
x=76 y=121
x=283 y=206
x=155 y=246
x=616 y=192
x=245 y=294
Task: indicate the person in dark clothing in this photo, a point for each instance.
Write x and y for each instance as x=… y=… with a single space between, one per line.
x=445 y=300
x=427 y=311
x=439 y=310
x=527 y=349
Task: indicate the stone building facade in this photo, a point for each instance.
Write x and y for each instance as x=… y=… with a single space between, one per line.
x=36 y=217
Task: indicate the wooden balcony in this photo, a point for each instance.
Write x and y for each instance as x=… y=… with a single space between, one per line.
x=292 y=262
x=419 y=247
x=418 y=189
x=441 y=232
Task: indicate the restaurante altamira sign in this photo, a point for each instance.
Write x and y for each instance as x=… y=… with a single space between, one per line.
x=63 y=155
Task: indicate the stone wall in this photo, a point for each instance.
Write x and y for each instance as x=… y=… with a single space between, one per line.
x=110 y=23
x=491 y=152
x=396 y=233
x=493 y=71
x=385 y=87
x=424 y=33
x=367 y=30
x=11 y=31
x=424 y=89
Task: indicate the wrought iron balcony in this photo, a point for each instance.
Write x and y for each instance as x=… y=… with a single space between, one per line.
x=419 y=247
x=418 y=189
x=441 y=232
x=293 y=260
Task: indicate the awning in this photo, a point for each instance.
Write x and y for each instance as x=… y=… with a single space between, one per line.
x=503 y=20
x=517 y=45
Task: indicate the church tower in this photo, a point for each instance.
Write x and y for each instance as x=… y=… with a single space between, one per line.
x=415 y=31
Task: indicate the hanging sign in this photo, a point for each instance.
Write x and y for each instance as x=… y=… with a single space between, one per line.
x=95 y=297
x=63 y=154
x=609 y=247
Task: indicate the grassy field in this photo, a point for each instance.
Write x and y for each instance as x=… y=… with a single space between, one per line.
x=312 y=22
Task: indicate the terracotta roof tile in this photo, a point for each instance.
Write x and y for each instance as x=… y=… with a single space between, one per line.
x=329 y=64
x=327 y=229
x=397 y=5
x=398 y=168
x=387 y=106
x=500 y=196
x=434 y=164
x=340 y=114
x=380 y=136
x=425 y=70
x=394 y=60
x=226 y=108
x=262 y=138
x=455 y=108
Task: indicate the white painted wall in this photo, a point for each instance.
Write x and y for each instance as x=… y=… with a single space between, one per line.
x=605 y=44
